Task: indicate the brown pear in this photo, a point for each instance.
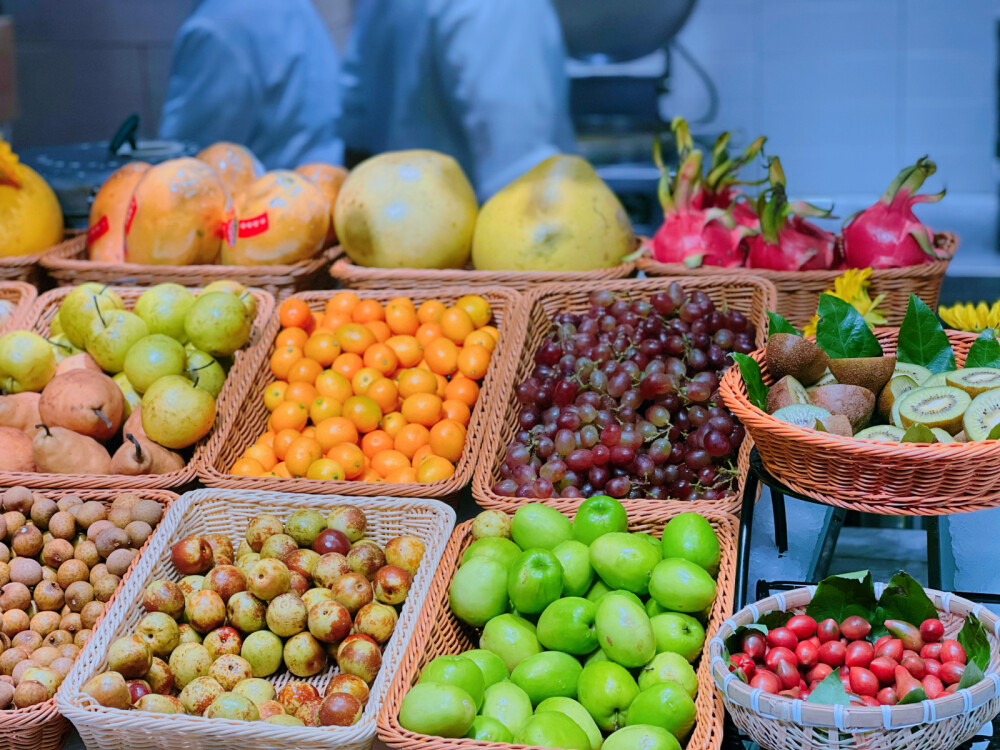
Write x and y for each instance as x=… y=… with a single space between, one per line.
x=61 y=451
x=853 y=401
x=131 y=459
x=162 y=460
x=16 y=452
x=868 y=372
x=84 y=401
x=20 y=411
x=788 y=354
x=81 y=361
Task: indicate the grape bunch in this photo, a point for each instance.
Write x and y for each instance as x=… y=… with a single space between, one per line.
x=623 y=401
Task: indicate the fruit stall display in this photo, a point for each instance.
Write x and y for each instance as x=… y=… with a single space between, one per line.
x=711 y=225
x=73 y=416
x=615 y=391
x=915 y=410
x=605 y=646
x=64 y=558
x=834 y=666
x=16 y=298
x=409 y=219
x=373 y=392
x=286 y=641
x=269 y=230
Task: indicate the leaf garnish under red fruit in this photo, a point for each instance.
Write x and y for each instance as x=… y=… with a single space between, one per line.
x=972 y=636
x=903 y=599
x=830 y=691
x=844 y=595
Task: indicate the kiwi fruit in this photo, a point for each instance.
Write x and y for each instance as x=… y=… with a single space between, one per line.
x=894 y=413
x=853 y=401
x=868 y=372
x=789 y=354
x=937 y=379
x=942 y=436
x=975 y=380
x=917 y=373
x=825 y=379
x=786 y=392
x=982 y=415
x=801 y=415
x=887 y=433
x=892 y=391
x=961 y=437
x=835 y=424
x=940 y=406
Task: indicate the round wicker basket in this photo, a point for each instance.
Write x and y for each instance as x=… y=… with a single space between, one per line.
x=22 y=295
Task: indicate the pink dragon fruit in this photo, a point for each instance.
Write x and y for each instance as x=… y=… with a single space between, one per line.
x=888 y=234
x=785 y=240
x=703 y=218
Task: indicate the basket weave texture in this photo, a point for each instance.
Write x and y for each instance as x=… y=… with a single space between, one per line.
x=27 y=268
x=354 y=276
x=777 y=723
x=68 y=264
x=748 y=294
x=22 y=295
x=869 y=476
x=246 y=362
x=42 y=727
x=228 y=512
x=508 y=316
x=798 y=291
x=439 y=633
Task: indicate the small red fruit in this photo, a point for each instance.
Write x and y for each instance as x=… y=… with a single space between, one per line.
x=893 y=648
x=803 y=626
x=952 y=650
x=882 y=640
x=931 y=651
x=859 y=654
x=832 y=653
x=845 y=678
x=790 y=692
x=914 y=665
x=744 y=664
x=932 y=667
x=788 y=675
x=951 y=688
x=951 y=672
x=807 y=654
x=905 y=682
x=782 y=637
x=754 y=645
x=887 y=697
x=819 y=673
x=863 y=681
x=804 y=694
x=779 y=654
x=870 y=700
x=814 y=640
x=855 y=628
x=907 y=633
x=766 y=681
x=932 y=630
x=884 y=669
x=933 y=686
x=828 y=630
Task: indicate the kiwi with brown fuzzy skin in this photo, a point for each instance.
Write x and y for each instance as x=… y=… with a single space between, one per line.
x=892 y=392
x=789 y=354
x=825 y=379
x=835 y=424
x=853 y=401
x=940 y=406
x=975 y=380
x=982 y=415
x=786 y=392
x=868 y=372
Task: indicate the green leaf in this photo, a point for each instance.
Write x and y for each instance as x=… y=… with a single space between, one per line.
x=972 y=675
x=994 y=433
x=918 y=433
x=985 y=350
x=772 y=620
x=778 y=324
x=756 y=388
x=914 y=696
x=972 y=636
x=904 y=599
x=830 y=691
x=842 y=333
x=734 y=643
x=841 y=596
x=922 y=340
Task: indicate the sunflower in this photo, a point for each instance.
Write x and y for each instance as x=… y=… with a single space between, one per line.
x=852 y=287
x=964 y=316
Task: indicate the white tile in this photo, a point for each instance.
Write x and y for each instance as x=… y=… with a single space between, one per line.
x=840 y=77
x=794 y=30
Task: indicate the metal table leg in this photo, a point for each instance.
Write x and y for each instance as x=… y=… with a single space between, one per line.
x=780 y=521
x=933 y=552
x=743 y=548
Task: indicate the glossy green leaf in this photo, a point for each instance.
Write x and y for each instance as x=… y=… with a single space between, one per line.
x=778 y=324
x=985 y=350
x=972 y=636
x=918 y=433
x=842 y=333
x=914 y=696
x=903 y=599
x=922 y=340
x=994 y=433
x=841 y=596
x=830 y=691
x=972 y=675
x=756 y=388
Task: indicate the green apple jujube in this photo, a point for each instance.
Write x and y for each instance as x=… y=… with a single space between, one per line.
x=536 y=526
x=436 y=709
x=623 y=561
x=508 y=704
x=510 y=637
x=456 y=671
x=606 y=690
x=534 y=581
x=624 y=632
x=574 y=558
x=681 y=585
x=547 y=675
x=575 y=711
x=552 y=729
x=491 y=665
x=678 y=633
x=504 y=551
x=665 y=705
x=488 y=729
x=641 y=737
x=568 y=625
x=691 y=537
x=599 y=515
x=478 y=591
x=669 y=667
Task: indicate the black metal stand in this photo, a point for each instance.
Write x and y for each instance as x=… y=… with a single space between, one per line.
x=759 y=475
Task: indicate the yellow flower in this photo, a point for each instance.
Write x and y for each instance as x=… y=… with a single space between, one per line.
x=964 y=316
x=852 y=287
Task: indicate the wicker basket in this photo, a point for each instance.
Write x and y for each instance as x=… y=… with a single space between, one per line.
x=750 y=295
x=871 y=477
x=27 y=268
x=246 y=364
x=439 y=632
x=798 y=291
x=508 y=312
x=777 y=723
x=68 y=264
x=362 y=277
x=21 y=295
x=228 y=512
x=42 y=727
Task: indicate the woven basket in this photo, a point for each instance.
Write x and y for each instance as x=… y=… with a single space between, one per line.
x=508 y=315
x=42 y=727
x=798 y=291
x=750 y=295
x=439 y=632
x=354 y=276
x=871 y=477
x=245 y=365
x=27 y=268
x=228 y=512
x=68 y=264
x=778 y=723
x=21 y=295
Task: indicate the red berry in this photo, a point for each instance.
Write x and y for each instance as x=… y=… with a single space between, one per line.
x=788 y=675
x=932 y=667
x=952 y=650
x=766 y=681
x=819 y=673
x=932 y=630
x=869 y=700
x=832 y=653
x=807 y=654
x=951 y=672
x=779 y=654
x=803 y=626
x=859 y=654
x=893 y=648
x=931 y=651
x=782 y=637
x=863 y=682
x=754 y=645
x=887 y=697
x=743 y=663
x=855 y=628
x=914 y=665
x=845 y=678
x=933 y=686
x=884 y=669
x=828 y=630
